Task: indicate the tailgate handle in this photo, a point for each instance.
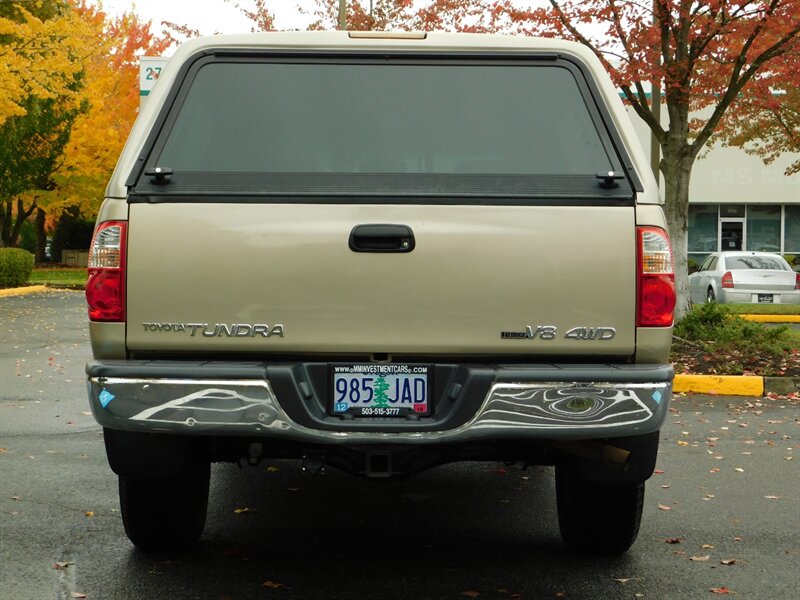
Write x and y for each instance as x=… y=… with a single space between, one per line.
x=381 y=238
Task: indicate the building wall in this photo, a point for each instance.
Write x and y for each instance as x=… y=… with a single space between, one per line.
x=736 y=202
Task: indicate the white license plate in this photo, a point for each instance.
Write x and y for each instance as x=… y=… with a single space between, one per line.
x=369 y=390
x=765 y=298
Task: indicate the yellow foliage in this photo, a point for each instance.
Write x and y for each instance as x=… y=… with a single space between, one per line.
x=40 y=58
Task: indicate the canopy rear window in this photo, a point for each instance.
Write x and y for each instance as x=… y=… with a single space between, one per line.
x=383 y=127
x=755 y=262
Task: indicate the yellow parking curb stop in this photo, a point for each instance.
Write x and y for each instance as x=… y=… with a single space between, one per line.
x=725 y=385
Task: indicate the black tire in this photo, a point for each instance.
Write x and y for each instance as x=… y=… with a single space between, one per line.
x=597 y=518
x=710 y=296
x=164 y=514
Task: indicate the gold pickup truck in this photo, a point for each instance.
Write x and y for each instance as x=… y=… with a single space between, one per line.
x=381 y=252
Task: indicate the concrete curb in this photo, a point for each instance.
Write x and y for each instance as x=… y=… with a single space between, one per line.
x=22 y=291
x=736 y=385
x=772 y=318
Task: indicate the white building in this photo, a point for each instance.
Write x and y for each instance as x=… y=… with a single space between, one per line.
x=736 y=202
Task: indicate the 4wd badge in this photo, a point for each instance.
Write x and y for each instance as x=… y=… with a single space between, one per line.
x=550 y=332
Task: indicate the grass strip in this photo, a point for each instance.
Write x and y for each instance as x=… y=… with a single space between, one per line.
x=59 y=276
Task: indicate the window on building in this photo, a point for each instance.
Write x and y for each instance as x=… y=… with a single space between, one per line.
x=764 y=228
x=731 y=210
x=703 y=228
x=791 y=230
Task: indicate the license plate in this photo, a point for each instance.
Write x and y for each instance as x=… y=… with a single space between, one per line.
x=765 y=298
x=367 y=390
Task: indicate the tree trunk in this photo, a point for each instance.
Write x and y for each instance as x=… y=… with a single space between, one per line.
x=677 y=174
x=41 y=236
x=5 y=223
x=12 y=238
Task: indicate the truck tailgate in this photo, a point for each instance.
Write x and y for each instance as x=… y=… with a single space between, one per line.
x=482 y=280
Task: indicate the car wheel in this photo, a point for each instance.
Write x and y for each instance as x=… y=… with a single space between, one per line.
x=710 y=296
x=597 y=518
x=162 y=514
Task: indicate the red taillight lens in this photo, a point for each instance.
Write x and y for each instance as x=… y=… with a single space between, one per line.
x=797 y=281
x=656 y=283
x=105 y=288
x=727 y=280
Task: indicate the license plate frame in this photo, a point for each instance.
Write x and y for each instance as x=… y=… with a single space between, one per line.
x=766 y=298
x=406 y=390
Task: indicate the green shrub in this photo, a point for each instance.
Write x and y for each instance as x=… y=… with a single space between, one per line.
x=16 y=266
x=732 y=344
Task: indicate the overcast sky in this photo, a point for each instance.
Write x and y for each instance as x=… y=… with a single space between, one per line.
x=208 y=16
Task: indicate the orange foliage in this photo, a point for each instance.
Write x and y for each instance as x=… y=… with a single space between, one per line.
x=112 y=91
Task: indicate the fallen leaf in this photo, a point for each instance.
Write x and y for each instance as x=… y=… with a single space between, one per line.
x=470 y=594
x=662 y=507
x=772 y=497
x=272 y=469
x=673 y=540
x=89 y=513
x=15 y=497
x=706 y=546
x=714 y=470
x=737 y=539
x=739 y=470
x=658 y=472
x=728 y=561
x=682 y=443
x=241 y=511
x=723 y=591
x=623 y=580
x=700 y=558
x=665 y=486
x=272 y=585
x=60 y=566
x=77 y=595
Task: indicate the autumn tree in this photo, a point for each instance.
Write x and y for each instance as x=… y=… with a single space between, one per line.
x=41 y=46
x=60 y=144
x=766 y=122
x=38 y=53
x=112 y=94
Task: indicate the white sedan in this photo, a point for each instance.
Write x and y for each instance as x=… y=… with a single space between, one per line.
x=745 y=278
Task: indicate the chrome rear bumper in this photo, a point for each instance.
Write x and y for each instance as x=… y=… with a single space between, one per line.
x=516 y=403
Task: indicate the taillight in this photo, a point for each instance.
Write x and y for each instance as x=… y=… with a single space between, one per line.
x=797 y=281
x=656 y=283
x=727 y=280
x=105 y=288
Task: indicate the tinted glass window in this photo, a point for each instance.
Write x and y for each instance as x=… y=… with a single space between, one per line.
x=703 y=225
x=764 y=228
x=706 y=263
x=754 y=262
x=259 y=117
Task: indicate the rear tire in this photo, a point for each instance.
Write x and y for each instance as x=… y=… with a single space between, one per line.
x=597 y=518
x=163 y=514
x=710 y=296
